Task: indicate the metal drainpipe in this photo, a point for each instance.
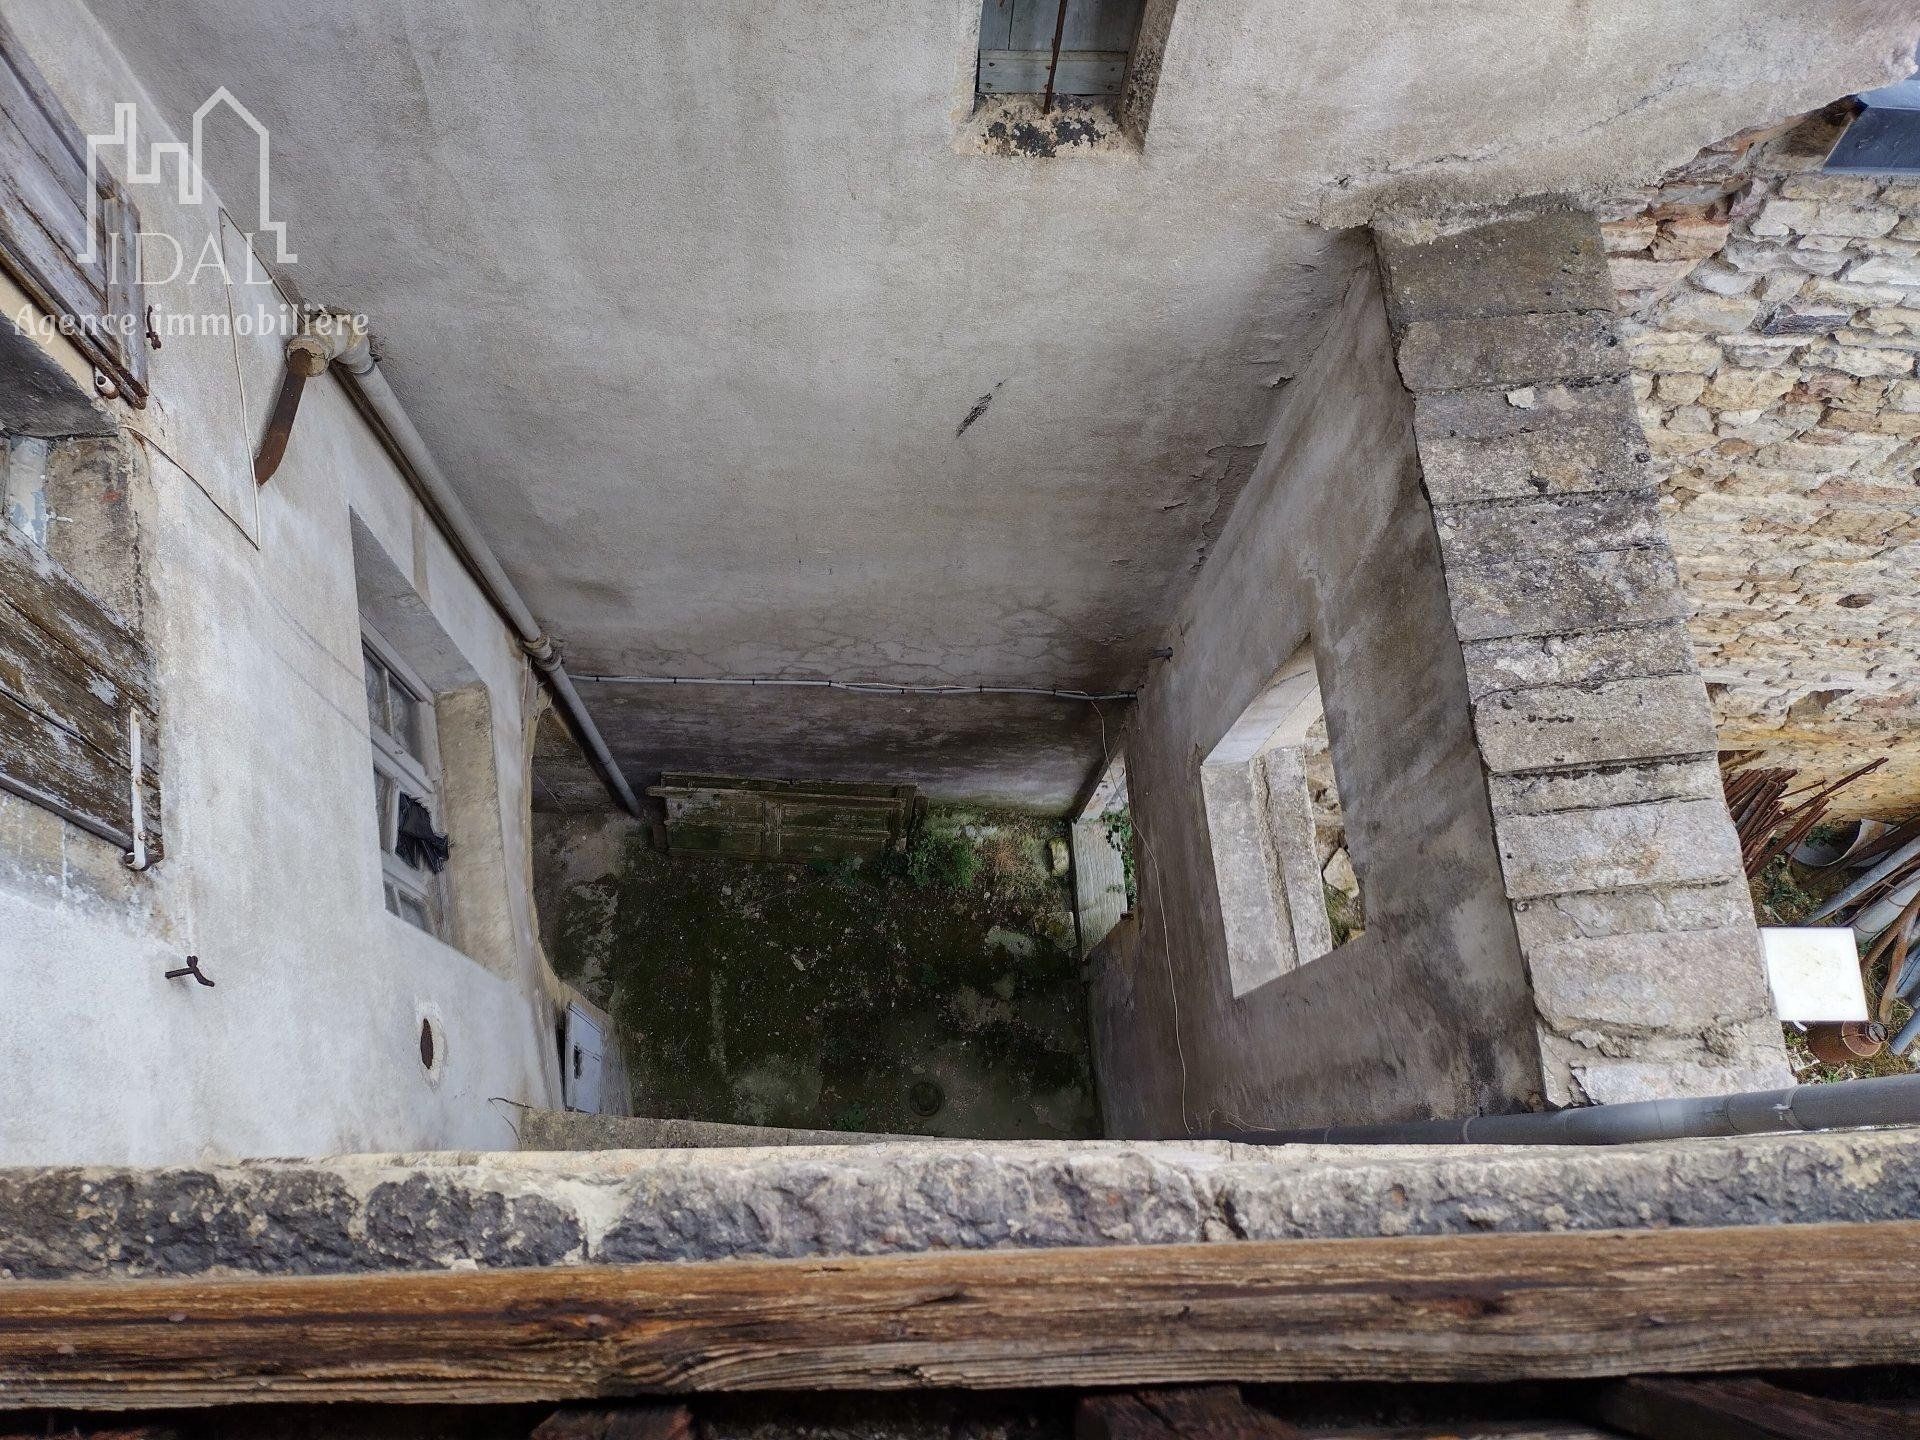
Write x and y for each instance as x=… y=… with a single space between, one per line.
x=350 y=350
x=1889 y=1100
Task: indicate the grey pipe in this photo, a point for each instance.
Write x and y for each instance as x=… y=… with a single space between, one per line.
x=1890 y=1100
x=863 y=687
x=1908 y=1033
x=354 y=360
x=1867 y=881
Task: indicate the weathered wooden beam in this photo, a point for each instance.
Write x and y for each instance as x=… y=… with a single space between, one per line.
x=1742 y=1408
x=1480 y=1307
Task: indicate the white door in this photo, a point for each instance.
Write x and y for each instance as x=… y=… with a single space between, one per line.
x=585 y=1048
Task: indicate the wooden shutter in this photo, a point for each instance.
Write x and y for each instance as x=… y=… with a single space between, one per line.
x=43 y=226
x=73 y=679
x=1016 y=46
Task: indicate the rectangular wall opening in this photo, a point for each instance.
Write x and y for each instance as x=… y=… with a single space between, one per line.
x=1104 y=884
x=1096 y=40
x=1093 y=93
x=807 y=955
x=1288 y=890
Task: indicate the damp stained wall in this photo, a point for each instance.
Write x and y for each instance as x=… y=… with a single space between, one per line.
x=934 y=990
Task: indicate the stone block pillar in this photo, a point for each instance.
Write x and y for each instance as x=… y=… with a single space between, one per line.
x=1619 y=857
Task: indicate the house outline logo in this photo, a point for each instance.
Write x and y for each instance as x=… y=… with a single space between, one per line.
x=189 y=184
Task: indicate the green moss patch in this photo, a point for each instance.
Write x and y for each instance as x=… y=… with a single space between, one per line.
x=847 y=995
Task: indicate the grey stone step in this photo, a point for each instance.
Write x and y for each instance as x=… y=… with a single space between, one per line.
x=568 y=1130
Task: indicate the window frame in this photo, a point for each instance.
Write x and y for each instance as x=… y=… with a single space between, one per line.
x=397 y=768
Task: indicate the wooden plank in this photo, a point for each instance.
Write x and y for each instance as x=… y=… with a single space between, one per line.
x=47 y=141
x=1103 y=25
x=28 y=76
x=1024 y=72
x=68 y=692
x=46 y=202
x=1455 y=1308
x=1099 y=882
x=1191 y=1412
x=1742 y=1408
x=43 y=202
x=996 y=24
x=1091 y=25
x=42 y=760
x=126 y=289
x=70 y=619
x=71 y=678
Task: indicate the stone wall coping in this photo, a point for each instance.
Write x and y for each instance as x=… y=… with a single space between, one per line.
x=459 y=1210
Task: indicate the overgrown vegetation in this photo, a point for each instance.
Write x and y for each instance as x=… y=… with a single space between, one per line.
x=1343 y=914
x=1786 y=892
x=822 y=995
x=939 y=855
x=1119 y=825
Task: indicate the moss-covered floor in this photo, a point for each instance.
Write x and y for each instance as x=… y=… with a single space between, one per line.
x=934 y=993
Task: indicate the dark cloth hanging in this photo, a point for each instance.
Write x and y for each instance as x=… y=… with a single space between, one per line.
x=418 y=843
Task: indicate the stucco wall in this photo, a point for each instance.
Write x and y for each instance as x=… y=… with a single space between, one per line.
x=309 y=1041
x=692 y=300
x=1332 y=539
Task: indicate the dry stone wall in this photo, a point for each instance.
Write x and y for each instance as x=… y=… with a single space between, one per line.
x=1772 y=311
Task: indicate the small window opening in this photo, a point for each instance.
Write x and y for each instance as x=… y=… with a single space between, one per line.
x=1105 y=886
x=406 y=787
x=1054 y=77
x=1288 y=889
x=1095 y=42
x=426 y=1043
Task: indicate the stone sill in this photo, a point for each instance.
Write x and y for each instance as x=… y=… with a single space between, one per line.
x=459 y=1210
x=1013 y=127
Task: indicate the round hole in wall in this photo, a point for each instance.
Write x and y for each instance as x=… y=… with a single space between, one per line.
x=925 y=1098
x=433 y=1042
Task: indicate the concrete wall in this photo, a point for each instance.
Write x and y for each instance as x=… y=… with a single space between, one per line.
x=772 y=282
x=309 y=1041
x=1427 y=1011
x=1456 y=510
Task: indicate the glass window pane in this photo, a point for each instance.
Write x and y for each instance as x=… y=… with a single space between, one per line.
x=376 y=690
x=383 y=803
x=414 y=913
x=406 y=721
